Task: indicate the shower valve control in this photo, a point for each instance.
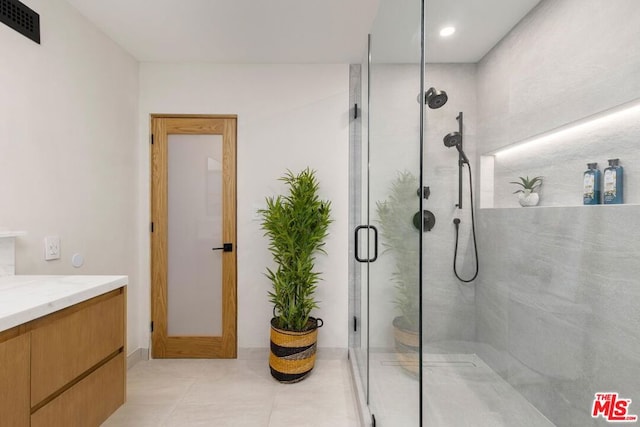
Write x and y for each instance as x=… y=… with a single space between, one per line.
x=426 y=191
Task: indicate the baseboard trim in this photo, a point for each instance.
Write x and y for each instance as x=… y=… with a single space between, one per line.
x=248 y=353
x=136 y=356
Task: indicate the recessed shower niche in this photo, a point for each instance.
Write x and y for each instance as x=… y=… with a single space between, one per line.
x=560 y=156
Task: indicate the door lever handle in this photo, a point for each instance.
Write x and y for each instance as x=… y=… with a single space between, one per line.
x=226 y=247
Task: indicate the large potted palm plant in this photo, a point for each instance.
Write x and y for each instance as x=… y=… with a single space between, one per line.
x=296 y=225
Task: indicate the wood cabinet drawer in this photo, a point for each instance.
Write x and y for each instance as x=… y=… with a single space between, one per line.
x=70 y=342
x=87 y=403
x=14 y=382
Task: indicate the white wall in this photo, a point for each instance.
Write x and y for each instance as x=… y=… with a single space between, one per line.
x=67 y=147
x=289 y=116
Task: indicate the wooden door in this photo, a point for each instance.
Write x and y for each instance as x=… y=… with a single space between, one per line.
x=193 y=236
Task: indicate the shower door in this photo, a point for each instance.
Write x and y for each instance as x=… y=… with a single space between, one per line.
x=388 y=241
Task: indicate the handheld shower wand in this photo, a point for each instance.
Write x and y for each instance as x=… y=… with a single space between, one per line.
x=454 y=139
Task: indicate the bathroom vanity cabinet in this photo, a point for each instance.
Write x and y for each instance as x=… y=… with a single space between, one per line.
x=14 y=379
x=66 y=367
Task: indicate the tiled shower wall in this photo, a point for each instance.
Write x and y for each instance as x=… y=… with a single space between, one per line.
x=558 y=295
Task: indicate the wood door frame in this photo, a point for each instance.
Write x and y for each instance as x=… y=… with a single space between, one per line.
x=197 y=346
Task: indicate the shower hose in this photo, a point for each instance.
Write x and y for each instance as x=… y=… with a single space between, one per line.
x=456 y=222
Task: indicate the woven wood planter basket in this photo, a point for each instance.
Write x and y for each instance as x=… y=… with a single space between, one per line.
x=407 y=346
x=293 y=354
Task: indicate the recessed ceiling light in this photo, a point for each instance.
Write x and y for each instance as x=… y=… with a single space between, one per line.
x=447 y=31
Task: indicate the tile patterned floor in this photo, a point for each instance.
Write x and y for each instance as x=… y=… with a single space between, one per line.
x=220 y=393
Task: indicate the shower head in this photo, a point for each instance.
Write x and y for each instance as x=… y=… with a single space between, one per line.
x=434 y=98
x=454 y=139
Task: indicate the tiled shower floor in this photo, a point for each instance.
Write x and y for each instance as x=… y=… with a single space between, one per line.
x=234 y=393
x=460 y=390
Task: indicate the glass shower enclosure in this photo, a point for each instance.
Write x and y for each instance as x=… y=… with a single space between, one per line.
x=386 y=203
x=472 y=305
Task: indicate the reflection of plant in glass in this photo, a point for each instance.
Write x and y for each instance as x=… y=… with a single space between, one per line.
x=400 y=238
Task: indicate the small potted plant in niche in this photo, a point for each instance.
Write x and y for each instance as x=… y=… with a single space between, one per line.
x=527 y=195
x=296 y=225
x=401 y=239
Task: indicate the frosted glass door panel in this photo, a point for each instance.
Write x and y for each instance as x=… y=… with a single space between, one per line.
x=194 y=276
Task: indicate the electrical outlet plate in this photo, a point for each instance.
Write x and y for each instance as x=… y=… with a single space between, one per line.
x=51 y=248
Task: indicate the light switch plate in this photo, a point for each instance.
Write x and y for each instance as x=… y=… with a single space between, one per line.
x=51 y=248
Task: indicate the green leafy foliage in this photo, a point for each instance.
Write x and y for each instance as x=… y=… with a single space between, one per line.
x=400 y=238
x=296 y=225
x=528 y=184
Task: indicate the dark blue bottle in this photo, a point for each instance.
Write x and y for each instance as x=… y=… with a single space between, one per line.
x=591 y=194
x=613 y=180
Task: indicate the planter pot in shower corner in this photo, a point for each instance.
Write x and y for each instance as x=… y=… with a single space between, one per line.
x=407 y=343
x=293 y=353
x=528 y=198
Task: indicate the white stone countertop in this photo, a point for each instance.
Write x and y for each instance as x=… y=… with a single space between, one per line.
x=25 y=298
x=5 y=233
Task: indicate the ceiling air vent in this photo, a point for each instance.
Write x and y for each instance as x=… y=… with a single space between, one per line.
x=22 y=19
